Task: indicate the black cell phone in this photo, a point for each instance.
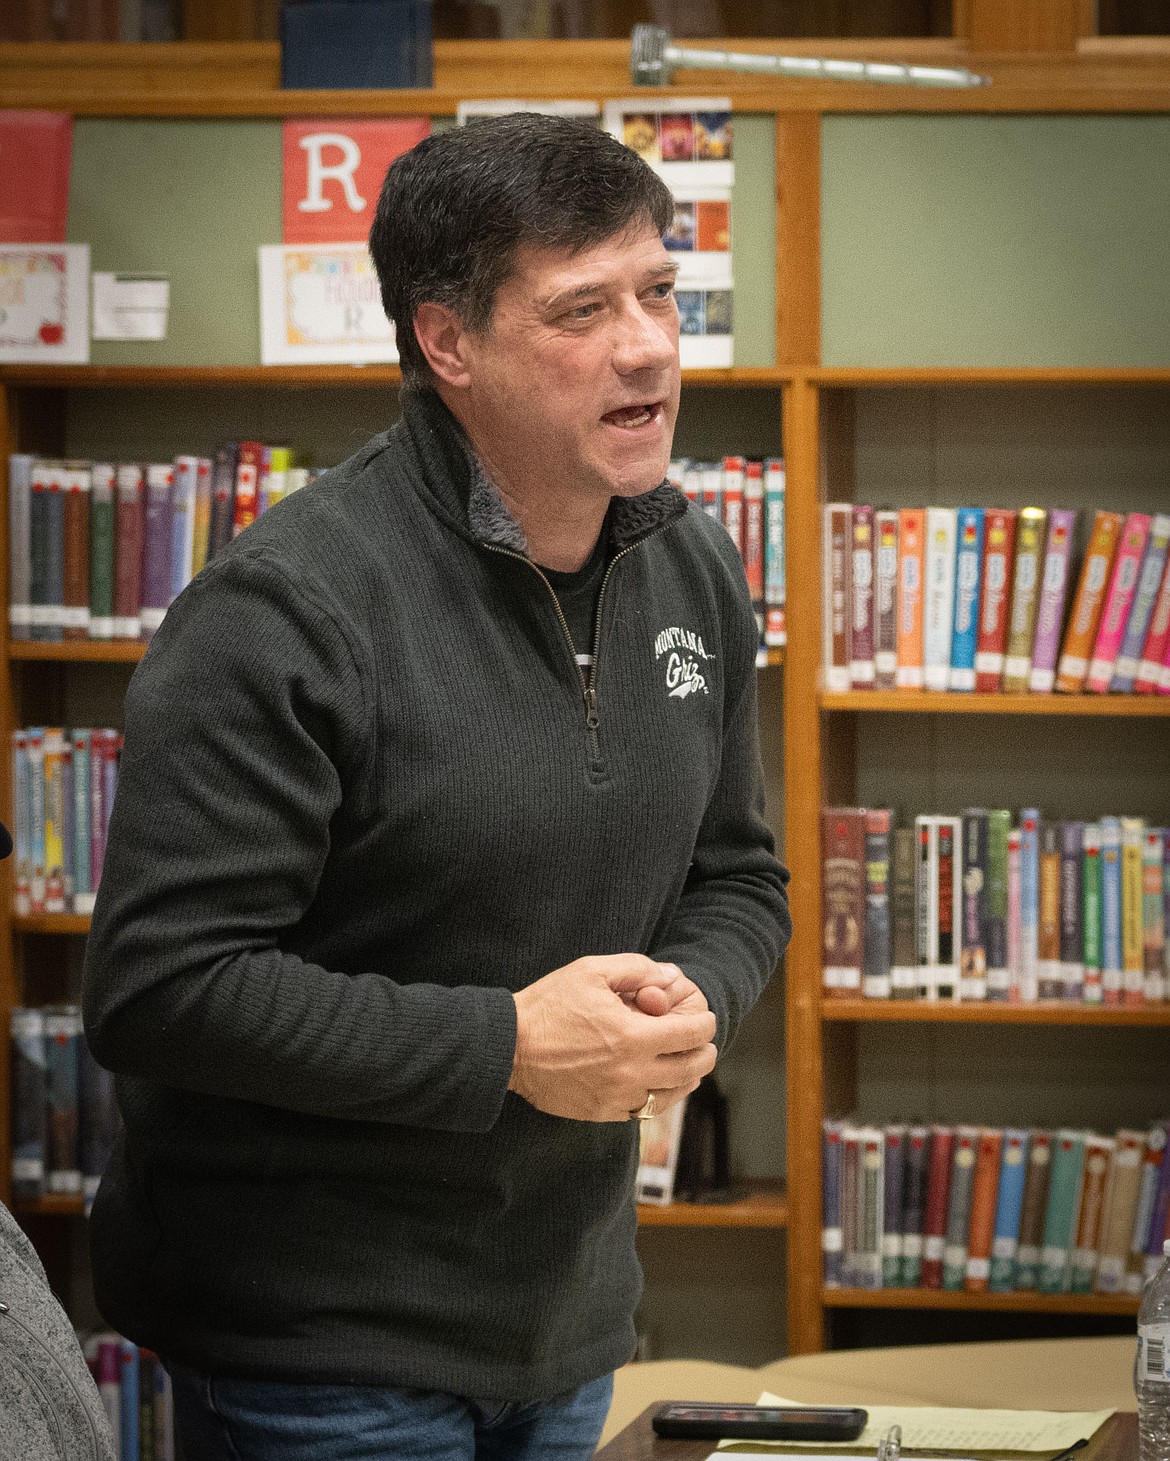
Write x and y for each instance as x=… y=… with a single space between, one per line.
x=683 y=1420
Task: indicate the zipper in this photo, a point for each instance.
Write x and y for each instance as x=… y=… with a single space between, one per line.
x=35 y=1383
x=588 y=681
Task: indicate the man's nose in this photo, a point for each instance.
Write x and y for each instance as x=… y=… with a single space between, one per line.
x=645 y=341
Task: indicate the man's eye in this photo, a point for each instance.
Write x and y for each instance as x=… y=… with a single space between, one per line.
x=663 y=290
x=583 y=312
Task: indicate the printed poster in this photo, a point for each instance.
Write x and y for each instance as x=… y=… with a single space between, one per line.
x=320 y=305
x=687 y=143
x=332 y=173
x=44 y=303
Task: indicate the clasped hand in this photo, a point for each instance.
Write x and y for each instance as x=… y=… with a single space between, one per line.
x=595 y=1037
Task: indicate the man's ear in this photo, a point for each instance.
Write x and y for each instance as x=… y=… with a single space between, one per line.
x=440 y=335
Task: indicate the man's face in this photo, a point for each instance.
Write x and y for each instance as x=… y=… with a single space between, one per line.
x=575 y=383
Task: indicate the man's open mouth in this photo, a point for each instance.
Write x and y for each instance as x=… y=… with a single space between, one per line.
x=633 y=416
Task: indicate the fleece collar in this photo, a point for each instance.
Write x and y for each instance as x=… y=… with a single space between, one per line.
x=467 y=498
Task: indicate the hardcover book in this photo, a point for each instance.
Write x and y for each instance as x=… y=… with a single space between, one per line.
x=903 y=953
x=753 y=540
x=1050 y=979
x=1053 y=589
x=1111 y=938
x=1153 y=1161
x=1154 y=914
x=895 y=1176
x=938 y=1192
x=29 y=1084
x=1088 y=602
x=1133 y=973
x=1149 y=675
x=875 y=983
x=158 y=529
x=1121 y=1200
x=914 y=1182
x=999 y=825
x=1029 y=947
x=885 y=647
x=1033 y=1207
x=939 y=602
x=102 y=534
x=999 y=550
x=731 y=497
x=985 y=1191
x=1060 y=1217
x=911 y=578
x=1118 y=602
x=75 y=491
x=1017 y=664
x=843 y=893
x=1072 y=933
x=836 y=625
x=775 y=588
x=959 y=1207
x=926 y=903
x=63 y=1144
x=223 y=498
x=867 y=1269
x=832 y=1231
x=1098 y=1152
x=973 y=959
x=129 y=532
x=1008 y=1208
x=861 y=636
x=20 y=470
x=1129 y=656
x=949 y=832
x=1091 y=917
x=968 y=565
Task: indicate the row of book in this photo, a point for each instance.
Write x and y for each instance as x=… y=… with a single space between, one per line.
x=971 y=907
x=137 y=1396
x=748 y=498
x=64 y=1116
x=999 y=1209
x=976 y=598
x=63 y=785
x=99 y=550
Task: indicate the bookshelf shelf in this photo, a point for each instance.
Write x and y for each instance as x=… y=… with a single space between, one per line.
x=1024 y=1302
x=127 y=651
x=292 y=376
x=761 y=1209
x=60 y=923
x=943 y=702
x=1055 y=1012
x=50 y=1205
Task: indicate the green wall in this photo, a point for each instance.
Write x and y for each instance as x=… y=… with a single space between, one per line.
x=195 y=199
x=996 y=240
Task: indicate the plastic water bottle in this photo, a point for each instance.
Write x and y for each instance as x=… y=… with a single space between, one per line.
x=1151 y=1368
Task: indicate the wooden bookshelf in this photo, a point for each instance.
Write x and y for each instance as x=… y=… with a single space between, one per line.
x=57 y=923
x=759 y=1209
x=78 y=651
x=973 y=1012
x=1025 y=1302
x=944 y=702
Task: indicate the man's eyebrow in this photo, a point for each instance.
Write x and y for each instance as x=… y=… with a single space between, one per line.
x=566 y=298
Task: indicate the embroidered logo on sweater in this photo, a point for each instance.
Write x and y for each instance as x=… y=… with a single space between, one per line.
x=685 y=654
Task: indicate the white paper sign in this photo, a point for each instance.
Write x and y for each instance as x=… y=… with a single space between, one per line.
x=474 y=111
x=687 y=143
x=44 y=292
x=130 y=306
x=320 y=305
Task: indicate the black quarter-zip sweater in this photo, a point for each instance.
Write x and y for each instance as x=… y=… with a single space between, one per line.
x=365 y=796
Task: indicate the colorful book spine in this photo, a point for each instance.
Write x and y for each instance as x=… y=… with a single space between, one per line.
x=950 y=906
x=985 y=1190
x=54 y=804
x=1060 y=1217
x=1049 y=976
x=1121 y=1200
x=753 y=540
x=129 y=531
x=102 y=532
x=965 y=616
x=1017 y=663
x=730 y=497
x=20 y=469
x=278 y=459
x=1129 y=656
x=1083 y=1264
x=885 y=628
x=903 y=956
x=1088 y=603
x=926 y=903
x=1072 y=902
x=867 y=1269
x=1053 y=591
x=54 y=610
x=1029 y=948
x=35 y=754
x=63 y=1137
x=183 y=521
x=1133 y=972
x=895 y=1178
x=75 y=493
x=1033 y=1206
x=39 y=613
x=201 y=531
x=999 y=549
x=843 y=893
x=875 y=970
x=775 y=584
x=1111 y=966
x=223 y=498
x=1159 y=1221
x=999 y=825
x=21 y=828
x=1153 y=1161
x=850 y=1202
x=959 y=1206
x=157 y=547
x=1091 y=919
x=245 y=504
x=974 y=882
x=836 y=624
x=29 y=1102
x=861 y=662
x=1008 y=1208
x=911 y=580
x=939 y=600
x=83 y=889
x=916 y=1163
x=937 y=1208
x=1118 y=602
x=129 y=1398
x=1154 y=651
x=832 y=1231
x=1154 y=914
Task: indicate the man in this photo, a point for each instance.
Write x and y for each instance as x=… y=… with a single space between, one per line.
x=424 y=878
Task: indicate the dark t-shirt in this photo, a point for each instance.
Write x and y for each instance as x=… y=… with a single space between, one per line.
x=577 y=593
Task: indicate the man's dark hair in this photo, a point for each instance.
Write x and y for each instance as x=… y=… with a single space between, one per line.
x=455 y=208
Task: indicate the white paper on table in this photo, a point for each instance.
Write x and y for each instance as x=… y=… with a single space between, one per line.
x=44 y=303
x=130 y=306
x=320 y=304
x=951 y=1429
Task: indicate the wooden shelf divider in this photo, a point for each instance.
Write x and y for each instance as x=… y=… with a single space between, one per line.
x=1023 y=1302
x=949 y=702
x=986 y=1012
x=62 y=923
x=764 y=1208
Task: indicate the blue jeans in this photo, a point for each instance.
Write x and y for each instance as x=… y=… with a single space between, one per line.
x=224 y=1419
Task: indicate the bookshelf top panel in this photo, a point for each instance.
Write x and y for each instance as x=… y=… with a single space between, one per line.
x=946 y=702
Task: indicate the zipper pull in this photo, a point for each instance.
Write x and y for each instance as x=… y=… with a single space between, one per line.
x=591 y=707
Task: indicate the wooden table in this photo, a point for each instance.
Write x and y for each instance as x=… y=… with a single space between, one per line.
x=1117 y=1440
